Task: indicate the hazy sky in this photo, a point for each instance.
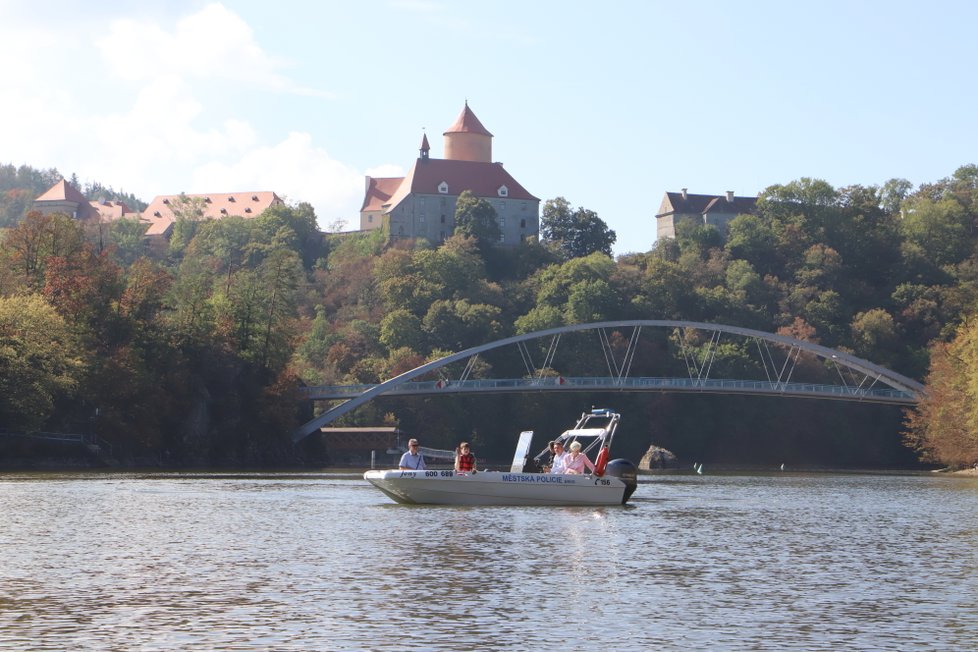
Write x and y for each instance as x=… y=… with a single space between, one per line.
x=608 y=104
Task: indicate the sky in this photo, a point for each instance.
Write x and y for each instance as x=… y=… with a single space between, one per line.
x=607 y=104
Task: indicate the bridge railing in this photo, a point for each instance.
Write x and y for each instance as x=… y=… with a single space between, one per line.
x=813 y=390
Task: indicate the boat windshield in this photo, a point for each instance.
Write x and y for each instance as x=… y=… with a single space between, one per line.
x=593 y=429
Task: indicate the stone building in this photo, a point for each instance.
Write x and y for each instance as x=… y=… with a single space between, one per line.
x=422 y=203
x=717 y=210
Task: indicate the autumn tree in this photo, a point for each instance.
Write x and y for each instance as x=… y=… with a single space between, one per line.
x=943 y=427
x=40 y=237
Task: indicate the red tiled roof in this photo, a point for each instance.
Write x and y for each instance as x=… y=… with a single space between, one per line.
x=483 y=179
x=379 y=191
x=467 y=123
x=63 y=191
x=64 y=197
x=112 y=210
x=160 y=212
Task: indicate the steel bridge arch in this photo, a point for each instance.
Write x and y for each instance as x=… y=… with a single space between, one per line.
x=869 y=369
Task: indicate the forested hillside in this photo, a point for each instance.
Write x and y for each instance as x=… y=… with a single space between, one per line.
x=192 y=355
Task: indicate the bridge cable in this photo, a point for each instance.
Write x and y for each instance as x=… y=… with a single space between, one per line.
x=531 y=370
x=551 y=353
x=631 y=350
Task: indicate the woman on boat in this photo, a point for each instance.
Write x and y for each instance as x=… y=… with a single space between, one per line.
x=464 y=459
x=576 y=460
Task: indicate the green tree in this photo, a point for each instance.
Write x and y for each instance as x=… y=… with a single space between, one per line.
x=875 y=336
x=942 y=228
x=126 y=236
x=477 y=218
x=575 y=233
x=401 y=329
x=39 y=361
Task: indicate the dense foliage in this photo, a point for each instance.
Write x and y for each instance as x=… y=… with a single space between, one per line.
x=193 y=353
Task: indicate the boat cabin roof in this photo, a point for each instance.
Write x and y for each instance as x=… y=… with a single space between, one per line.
x=583 y=432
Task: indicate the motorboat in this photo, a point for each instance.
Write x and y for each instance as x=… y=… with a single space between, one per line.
x=611 y=483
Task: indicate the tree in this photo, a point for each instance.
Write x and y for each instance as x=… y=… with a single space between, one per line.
x=750 y=238
x=944 y=425
x=127 y=237
x=575 y=233
x=477 y=218
x=942 y=228
x=875 y=336
x=893 y=193
x=39 y=361
x=401 y=329
x=38 y=238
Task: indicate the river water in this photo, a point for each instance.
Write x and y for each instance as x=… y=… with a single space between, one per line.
x=325 y=562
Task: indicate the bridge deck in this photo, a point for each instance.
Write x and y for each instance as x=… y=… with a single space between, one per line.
x=551 y=384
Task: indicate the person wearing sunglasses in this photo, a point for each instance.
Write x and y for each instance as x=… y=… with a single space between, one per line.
x=412 y=460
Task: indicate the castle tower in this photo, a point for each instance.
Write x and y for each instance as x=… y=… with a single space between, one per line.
x=467 y=139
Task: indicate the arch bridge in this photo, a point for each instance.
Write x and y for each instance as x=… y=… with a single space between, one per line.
x=698 y=342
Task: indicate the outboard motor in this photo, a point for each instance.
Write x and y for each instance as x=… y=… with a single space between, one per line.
x=627 y=473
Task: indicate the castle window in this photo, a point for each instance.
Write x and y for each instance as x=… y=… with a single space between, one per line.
x=230 y=199
x=248 y=210
x=523 y=223
x=442 y=218
x=370 y=219
x=156 y=214
x=254 y=198
x=503 y=191
x=166 y=201
x=224 y=211
x=443 y=187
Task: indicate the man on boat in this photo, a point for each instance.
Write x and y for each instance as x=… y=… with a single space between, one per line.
x=560 y=458
x=412 y=460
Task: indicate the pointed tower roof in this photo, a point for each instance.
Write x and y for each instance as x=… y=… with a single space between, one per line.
x=467 y=123
x=425 y=147
x=63 y=191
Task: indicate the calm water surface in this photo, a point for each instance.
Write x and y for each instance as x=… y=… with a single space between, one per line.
x=326 y=562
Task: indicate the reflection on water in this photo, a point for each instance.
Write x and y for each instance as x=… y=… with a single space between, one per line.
x=321 y=562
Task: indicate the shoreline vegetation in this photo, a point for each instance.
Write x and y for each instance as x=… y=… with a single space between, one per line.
x=191 y=351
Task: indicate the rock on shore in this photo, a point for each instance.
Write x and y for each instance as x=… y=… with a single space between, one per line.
x=657 y=459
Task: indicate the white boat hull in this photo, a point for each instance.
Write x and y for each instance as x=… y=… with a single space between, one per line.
x=497 y=488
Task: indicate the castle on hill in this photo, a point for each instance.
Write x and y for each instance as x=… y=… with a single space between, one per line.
x=422 y=203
